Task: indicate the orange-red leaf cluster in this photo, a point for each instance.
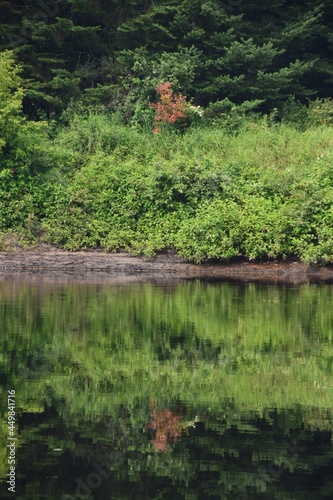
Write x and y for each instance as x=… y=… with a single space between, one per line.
x=170 y=108
x=167 y=426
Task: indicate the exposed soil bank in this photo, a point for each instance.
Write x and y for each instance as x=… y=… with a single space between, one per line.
x=122 y=267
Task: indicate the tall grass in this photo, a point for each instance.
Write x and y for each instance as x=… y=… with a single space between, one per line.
x=259 y=192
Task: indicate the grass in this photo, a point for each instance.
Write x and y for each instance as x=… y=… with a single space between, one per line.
x=258 y=192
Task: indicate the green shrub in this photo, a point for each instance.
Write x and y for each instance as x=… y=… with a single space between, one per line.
x=320 y=112
x=265 y=192
x=214 y=233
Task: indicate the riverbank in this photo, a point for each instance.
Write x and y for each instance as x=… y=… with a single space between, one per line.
x=103 y=267
x=261 y=194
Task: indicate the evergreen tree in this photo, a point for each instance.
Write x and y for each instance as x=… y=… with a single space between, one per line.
x=115 y=53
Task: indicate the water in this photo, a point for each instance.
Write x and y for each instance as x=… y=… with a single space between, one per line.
x=187 y=390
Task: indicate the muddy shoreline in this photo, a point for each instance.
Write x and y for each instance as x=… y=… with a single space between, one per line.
x=95 y=266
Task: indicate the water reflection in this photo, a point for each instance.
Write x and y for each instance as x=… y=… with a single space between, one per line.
x=168 y=391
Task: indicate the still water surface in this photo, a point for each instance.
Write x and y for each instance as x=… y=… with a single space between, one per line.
x=168 y=391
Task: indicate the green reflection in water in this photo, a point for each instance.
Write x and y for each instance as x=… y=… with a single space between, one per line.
x=206 y=385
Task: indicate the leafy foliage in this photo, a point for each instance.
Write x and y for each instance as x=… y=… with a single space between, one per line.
x=11 y=95
x=263 y=192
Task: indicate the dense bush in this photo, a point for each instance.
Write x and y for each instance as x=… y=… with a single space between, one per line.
x=263 y=192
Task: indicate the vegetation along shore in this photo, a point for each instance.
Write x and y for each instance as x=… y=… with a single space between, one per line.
x=169 y=127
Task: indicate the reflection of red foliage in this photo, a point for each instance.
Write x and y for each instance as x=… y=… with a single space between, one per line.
x=167 y=426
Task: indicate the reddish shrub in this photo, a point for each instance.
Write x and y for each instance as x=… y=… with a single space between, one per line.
x=171 y=107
